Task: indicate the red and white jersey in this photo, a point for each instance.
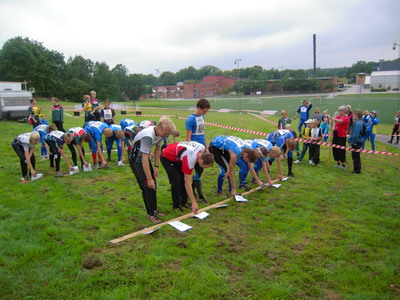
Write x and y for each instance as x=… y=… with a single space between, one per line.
x=186 y=152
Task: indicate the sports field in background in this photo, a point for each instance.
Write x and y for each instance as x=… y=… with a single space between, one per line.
x=385 y=104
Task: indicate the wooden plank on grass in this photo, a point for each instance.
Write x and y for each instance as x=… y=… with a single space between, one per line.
x=180 y=218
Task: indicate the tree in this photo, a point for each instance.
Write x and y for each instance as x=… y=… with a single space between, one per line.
x=186 y=74
x=105 y=83
x=359 y=67
x=74 y=89
x=209 y=70
x=167 y=78
x=121 y=73
x=136 y=87
x=80 y=68
x=22 y=59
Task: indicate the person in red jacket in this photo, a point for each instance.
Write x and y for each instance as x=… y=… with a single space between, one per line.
x=179 y=161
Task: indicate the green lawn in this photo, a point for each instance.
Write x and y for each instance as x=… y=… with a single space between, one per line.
x=385 y=104
x=325 y=234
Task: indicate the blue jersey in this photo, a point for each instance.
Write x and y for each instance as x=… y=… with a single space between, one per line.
x=258 y=143
x=304 y=112
x=278 y=137
x=115 y=128
x=263 y=143
x=95 y=129
x=224 y=142
x=196 y=124
x=57 y=137
x=42 y=129
x=126 y=122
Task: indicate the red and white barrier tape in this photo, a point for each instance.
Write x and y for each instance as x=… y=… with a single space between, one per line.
x=264 y=119
x=265 y=134
x=345 y=148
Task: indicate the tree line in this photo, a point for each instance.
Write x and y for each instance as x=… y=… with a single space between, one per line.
x=22 y=59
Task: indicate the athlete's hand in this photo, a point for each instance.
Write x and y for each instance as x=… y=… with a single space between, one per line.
x=33 y=173
x=195 y=207
x=151 y=184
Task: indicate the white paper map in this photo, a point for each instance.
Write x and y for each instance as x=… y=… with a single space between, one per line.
x=180 y=226
x=88 y=168
x=202 y=215
x=239 y=198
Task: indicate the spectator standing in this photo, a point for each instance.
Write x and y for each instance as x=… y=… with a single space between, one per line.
x=33 y=113
x=87 y=108
x=371 y=122
x=108 y=113
x=317 y=115
x=339 y=137
x=350 y=115
x=396 y=128
x=315 y=136
x=304 y=111
x=305 y=136
x=284 y=120
x=325 y=129
x=96 y=106
x=356 y=140
x=57 y=114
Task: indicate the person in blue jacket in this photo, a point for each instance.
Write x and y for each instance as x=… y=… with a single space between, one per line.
x=227 y=150
x=117 y=136
x=195 y=131
x=96 y=129
x=356 y=140
x=264 y=148
x=284 y=139
x=304 y=111
x=371 y=120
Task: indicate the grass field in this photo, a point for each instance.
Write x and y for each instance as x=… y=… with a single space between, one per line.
x=325 y=234
x=385 y=104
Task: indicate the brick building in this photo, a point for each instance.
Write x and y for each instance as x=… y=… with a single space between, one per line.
x=210 y=86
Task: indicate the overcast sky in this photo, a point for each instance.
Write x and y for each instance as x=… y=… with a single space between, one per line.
x=170 y=35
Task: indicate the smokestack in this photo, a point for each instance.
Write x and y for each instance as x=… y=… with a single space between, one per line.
x=315 y=53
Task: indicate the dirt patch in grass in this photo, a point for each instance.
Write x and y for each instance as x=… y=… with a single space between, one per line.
x=91 y=261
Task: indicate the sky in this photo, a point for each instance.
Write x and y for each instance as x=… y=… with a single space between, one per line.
x=151 y=37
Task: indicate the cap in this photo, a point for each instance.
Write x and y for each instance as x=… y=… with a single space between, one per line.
x=309 y=121
x=374 y=112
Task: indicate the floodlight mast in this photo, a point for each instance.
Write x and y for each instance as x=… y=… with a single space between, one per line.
x=237 y=62
x=397 y=45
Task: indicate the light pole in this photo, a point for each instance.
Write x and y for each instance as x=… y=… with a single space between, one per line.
x=360 y=78
x=397 y=45
x=237 y=62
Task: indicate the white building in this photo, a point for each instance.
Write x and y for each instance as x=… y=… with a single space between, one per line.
x=385 y=79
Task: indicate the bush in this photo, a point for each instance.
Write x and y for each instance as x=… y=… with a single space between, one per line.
x=378 y=90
